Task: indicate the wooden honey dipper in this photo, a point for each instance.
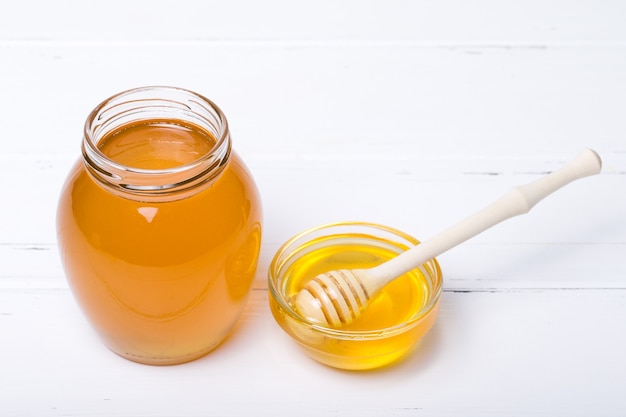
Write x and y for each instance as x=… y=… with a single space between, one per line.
x=337 y=298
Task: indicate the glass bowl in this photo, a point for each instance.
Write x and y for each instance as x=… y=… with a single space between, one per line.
x=394 y=321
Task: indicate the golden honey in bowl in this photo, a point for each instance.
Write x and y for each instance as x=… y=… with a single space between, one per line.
x=394 y=321
x=159 y=226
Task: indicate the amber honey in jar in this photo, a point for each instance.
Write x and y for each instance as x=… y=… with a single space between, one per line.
x=159 y=225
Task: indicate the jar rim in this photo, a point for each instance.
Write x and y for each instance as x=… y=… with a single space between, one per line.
x=150 y=103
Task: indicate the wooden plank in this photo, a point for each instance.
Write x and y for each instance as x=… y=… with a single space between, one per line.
x=506 y=353
x=549 y=248
x=336 y=99
x=416 y=194
x=454 y=21
x=472 y=267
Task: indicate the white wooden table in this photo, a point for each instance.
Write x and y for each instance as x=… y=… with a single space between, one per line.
x=402 y=113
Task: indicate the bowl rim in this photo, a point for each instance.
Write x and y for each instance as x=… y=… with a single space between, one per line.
x=277 y=296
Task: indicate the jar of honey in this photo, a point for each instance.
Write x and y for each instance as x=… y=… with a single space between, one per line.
x=159 y=225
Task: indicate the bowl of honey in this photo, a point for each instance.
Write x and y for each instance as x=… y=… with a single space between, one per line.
x=393 y=323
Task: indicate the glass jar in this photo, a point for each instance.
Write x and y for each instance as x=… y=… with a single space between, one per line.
x=159 y=225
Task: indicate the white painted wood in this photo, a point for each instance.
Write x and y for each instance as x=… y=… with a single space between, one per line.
x=301 y=191
x=363 y=100
x=452 y=21
x=491 y=353
x=331 y=102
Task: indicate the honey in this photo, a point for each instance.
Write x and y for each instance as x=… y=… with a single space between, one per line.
x=396 y=303
x=162 y=278
x=394 y=321
x=157 y=144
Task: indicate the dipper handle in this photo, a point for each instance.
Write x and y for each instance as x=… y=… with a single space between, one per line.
x=519 y=200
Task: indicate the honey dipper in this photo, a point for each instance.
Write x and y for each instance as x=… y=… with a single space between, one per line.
x=337 y=298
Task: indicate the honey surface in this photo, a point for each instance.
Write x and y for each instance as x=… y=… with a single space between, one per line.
x=395 y=304
x=163 y=282
x=156 y=145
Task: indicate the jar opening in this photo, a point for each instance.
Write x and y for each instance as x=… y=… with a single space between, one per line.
x=184 y=145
